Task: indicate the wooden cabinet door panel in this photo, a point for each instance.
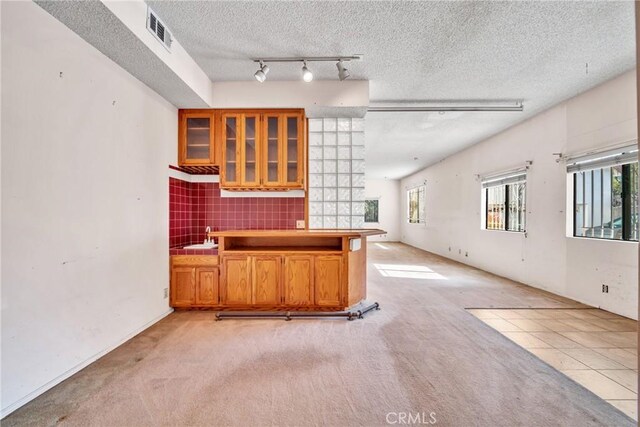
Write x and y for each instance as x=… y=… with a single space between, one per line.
x=236 y=281
x=266 y=280
x=262 y=150
x=250 y=151
x=231 y=149
x=207 y=286
x=196 y=138
x=297 y=284
x=293 y=151
x=328 y=280
x=272 y=154
x=183 y=286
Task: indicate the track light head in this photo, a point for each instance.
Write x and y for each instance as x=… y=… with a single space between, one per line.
x=307 y=75
x=343 y=73
x=261 y=74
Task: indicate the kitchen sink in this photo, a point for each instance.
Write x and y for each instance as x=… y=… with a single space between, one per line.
x=208 y=245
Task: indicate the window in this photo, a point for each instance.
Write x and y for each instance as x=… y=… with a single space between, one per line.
x=371 y=210
x=505 y=201
x=416 y=204
x=605 y=193
x=606 y=202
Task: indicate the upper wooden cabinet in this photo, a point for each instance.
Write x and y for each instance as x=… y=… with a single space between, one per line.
x=293 y=150
x=254 y=149
x=283 y=150
x=240 y=151
x=263 y=150
x=196 y=138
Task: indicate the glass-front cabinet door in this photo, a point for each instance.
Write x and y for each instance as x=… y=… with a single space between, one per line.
x=196 y=139
x=262 y=150
x=231 y=135
x=272 y=153
x=249 y=151
x=293 y=151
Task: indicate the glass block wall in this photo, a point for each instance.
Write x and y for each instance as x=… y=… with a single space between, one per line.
x=336 y=173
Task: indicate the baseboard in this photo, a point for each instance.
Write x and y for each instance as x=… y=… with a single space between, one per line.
x=632 y=316
x=29 y=397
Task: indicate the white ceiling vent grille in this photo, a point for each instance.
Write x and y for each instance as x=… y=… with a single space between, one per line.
x=158 y=29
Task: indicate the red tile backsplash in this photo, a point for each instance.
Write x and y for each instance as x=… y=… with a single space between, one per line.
x=180 y=212
x=180 y=251
x=194 y=206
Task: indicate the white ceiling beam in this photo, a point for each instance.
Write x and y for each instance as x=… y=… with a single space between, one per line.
x=320 y=98
x=118 y=30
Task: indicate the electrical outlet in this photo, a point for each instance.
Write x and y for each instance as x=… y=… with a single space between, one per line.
x=300 y=224
x=605 y=289
x=166 y=293
x=449 y=248
x=466 y=254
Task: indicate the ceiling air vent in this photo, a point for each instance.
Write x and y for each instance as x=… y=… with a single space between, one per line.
x=158 y=29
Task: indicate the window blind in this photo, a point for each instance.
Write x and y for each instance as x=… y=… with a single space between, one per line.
x=603 y=159
x=512 y=177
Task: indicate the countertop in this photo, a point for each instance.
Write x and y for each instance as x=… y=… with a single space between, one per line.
x=334 y=232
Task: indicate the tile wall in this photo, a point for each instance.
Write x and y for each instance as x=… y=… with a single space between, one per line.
x=194 y=206
x=336 y=173
x=180 y=213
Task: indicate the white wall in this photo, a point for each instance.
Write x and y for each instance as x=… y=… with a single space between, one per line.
x=387 y=191
x=545 y=258
x=85 y=149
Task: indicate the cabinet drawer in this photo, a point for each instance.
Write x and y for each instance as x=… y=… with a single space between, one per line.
x=194 y=260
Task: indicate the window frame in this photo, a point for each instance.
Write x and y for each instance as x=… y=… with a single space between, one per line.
x=373 y=199
x=506 y=207
x=422 y=212
x=627 y=204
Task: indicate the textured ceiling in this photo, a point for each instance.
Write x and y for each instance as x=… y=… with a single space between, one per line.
x=419 y=51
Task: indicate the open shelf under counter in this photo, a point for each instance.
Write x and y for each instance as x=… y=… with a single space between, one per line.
x=285 y=249
x=324 y=240
x=320 y=232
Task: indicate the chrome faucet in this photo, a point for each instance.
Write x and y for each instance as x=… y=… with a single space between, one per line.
x=207 y=239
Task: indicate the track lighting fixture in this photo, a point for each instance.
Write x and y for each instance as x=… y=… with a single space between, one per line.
x=343 y=73
x=261 y=74
x=307 y=75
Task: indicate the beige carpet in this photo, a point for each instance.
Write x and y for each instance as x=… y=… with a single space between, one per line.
x=421 y=354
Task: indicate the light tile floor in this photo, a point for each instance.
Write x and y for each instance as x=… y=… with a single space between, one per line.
x=595 y=348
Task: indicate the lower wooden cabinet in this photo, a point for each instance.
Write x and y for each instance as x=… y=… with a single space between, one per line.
x=266 y=280
x=236 y=281
x=183 y=286
x=257 y=280
x=297 y=284
x=327 y=280
x=194 y=281
x=207 y=286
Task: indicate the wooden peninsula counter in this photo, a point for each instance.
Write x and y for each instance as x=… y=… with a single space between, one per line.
x=319 y=270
